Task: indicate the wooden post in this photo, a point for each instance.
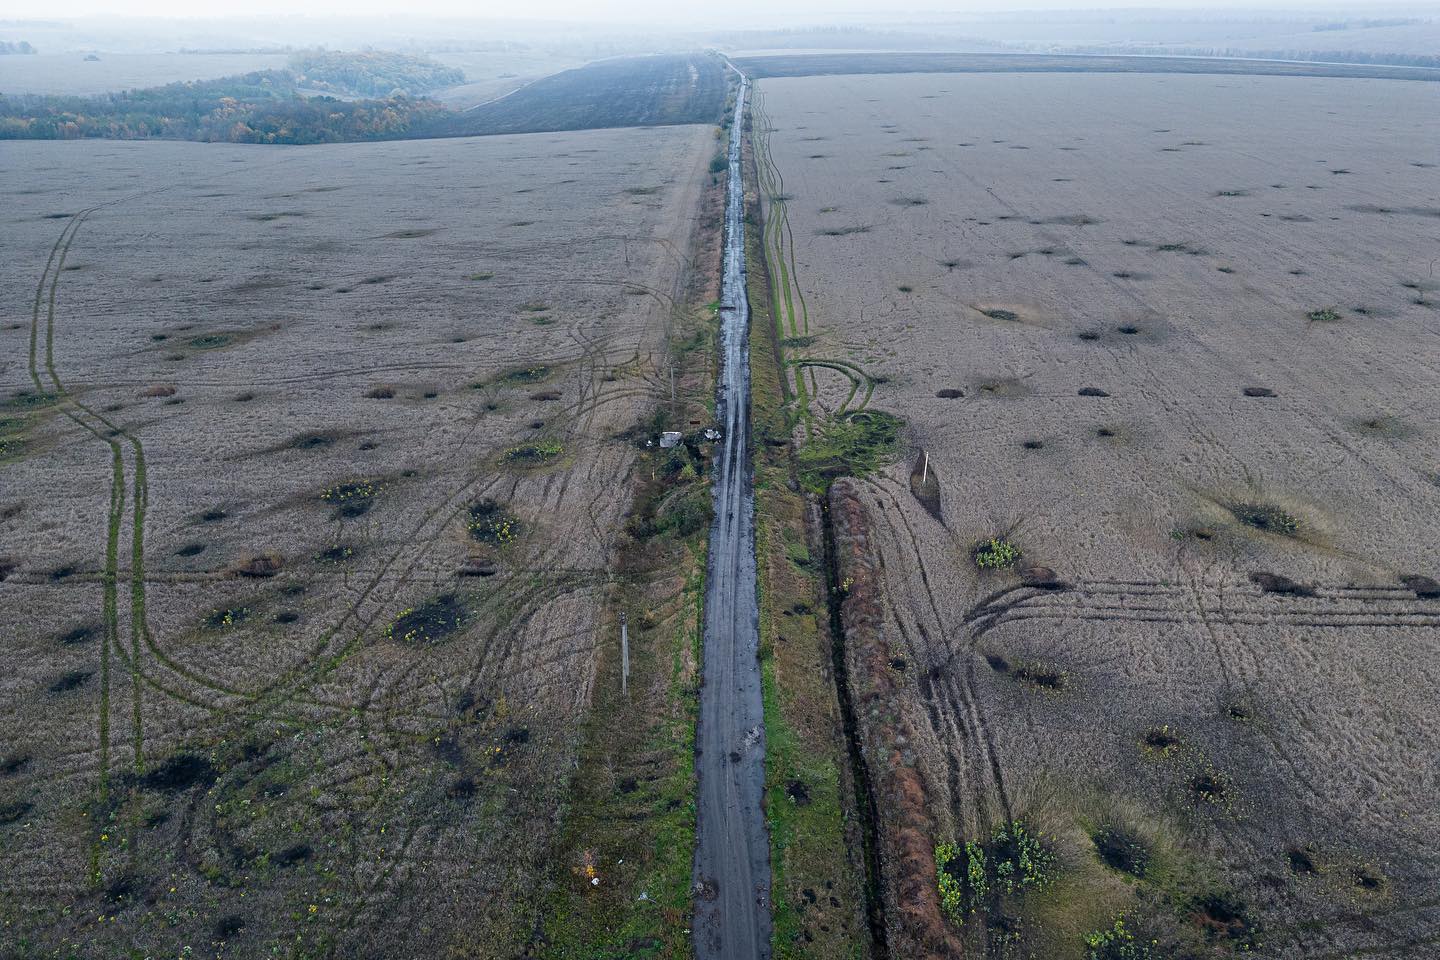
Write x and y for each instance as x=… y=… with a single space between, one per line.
x=624 y=655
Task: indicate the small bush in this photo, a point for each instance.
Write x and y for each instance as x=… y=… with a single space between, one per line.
x=1324 y=315
x=718 y=163
x=536 y=452
x=996 y=554
x=975 y=875
x=1117 y=943
x=225 y=619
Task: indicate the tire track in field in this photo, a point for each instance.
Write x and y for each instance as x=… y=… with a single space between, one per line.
x=46 y=294
x=959 y=691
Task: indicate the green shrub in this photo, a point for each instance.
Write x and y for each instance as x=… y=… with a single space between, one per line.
x=1117 y=943
x=536 y=452
x=996 y=553
x=975 y=875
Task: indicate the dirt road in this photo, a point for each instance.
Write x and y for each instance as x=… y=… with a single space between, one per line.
x=732 y=857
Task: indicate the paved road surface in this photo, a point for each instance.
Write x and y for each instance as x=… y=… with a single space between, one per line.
x=732 y=856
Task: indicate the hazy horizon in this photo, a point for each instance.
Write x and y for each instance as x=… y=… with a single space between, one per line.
x=740 y=13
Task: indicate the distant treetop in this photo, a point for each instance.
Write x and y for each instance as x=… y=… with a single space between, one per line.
x=372 y=73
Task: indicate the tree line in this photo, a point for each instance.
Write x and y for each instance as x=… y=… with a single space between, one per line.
x=373 y=73
x=260 y=107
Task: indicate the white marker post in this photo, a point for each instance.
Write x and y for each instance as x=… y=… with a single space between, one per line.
x=624 y=655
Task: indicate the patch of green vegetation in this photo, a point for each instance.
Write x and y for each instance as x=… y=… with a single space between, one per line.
x=12 y=445
x=224 y=619
x=353 y=497
x=853 y=444
x=1323 y=315
x=523 y=376
x=1263 y=516
x=1120 y=849
x=211 y=341
x=976 y=876
x=31 y=399
x=719 y=163
x=488 y=522
x=798 y=343
x=430 y=622
x=481 y=276
x=336 y=554
x=1118 y=943
x=537 y=451
x=997 y=553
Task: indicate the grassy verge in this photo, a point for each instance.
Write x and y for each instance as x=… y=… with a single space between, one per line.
x=816 y=888
x=621 y=875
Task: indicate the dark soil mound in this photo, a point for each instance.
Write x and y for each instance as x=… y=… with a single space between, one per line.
x=1275 y=583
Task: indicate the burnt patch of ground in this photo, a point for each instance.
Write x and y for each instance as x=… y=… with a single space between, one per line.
x=180 y=771
x=1276 y=583
x=430 y=622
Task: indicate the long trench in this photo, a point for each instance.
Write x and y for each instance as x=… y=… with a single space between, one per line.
x=732 y=853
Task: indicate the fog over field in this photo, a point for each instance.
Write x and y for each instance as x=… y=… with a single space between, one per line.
x=801 y=480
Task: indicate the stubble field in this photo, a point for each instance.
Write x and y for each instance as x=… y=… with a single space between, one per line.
x=312 y=481
x=1155 y=629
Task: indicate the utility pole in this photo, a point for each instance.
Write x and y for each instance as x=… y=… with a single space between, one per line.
x=624 y=655
x=925 y=474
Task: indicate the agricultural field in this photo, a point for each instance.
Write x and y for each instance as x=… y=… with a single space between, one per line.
x=1140 y=594
x=627 y=91
x=492 y=74
x=805 y=64
x=313 y=475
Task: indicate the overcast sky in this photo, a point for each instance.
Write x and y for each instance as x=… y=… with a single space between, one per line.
x=669 y=11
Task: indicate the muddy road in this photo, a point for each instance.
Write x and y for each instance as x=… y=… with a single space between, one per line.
x=732 y=857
